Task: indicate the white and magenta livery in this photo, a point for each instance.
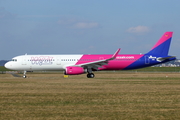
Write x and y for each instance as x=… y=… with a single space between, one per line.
x=79 y=64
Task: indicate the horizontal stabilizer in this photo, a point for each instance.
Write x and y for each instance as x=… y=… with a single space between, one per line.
x=165 y=58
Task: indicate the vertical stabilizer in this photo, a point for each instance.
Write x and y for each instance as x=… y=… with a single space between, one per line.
x=162 y=46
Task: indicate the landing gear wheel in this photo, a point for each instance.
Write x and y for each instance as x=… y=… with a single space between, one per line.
x=90 y=75
x=24 y=76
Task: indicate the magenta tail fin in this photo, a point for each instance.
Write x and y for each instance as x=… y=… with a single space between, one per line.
x=162 y=46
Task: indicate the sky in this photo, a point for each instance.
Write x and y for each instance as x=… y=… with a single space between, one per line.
x=86 y=26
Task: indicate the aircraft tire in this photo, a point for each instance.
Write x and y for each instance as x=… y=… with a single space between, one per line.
x=90 y=75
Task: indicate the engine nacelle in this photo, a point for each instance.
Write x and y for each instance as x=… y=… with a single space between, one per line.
x=71 y=70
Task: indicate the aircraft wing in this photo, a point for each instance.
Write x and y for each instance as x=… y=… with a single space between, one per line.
x=98 y=64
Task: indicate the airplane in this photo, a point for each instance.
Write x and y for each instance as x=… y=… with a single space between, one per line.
x=85 y=63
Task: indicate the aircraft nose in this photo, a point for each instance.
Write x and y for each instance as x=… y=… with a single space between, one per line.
x=7 y=65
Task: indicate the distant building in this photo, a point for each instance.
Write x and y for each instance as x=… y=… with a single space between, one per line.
x=175 y=63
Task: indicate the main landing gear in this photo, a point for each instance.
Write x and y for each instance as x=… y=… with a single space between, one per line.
x=90 y=75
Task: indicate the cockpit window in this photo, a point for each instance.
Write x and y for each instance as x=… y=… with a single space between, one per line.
x=14 y=60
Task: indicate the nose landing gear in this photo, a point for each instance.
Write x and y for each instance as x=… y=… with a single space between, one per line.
x=24 y=76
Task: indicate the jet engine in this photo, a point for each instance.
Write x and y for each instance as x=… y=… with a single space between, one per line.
x=71 y=70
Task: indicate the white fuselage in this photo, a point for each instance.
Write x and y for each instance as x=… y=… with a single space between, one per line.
x=42 y=62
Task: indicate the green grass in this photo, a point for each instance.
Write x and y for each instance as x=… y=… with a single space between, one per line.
x=2 y=68
x=141 y=96
x=159 y=69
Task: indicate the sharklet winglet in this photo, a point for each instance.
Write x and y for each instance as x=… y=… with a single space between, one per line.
x=115 y=54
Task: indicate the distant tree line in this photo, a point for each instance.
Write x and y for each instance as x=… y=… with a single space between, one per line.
x=2 y=62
